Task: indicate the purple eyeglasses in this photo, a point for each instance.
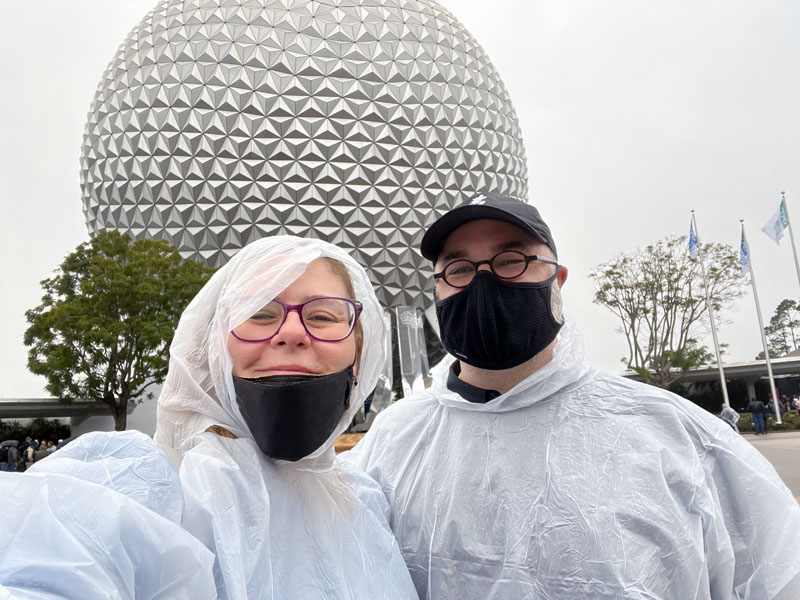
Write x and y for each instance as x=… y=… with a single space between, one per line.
x=324 y=319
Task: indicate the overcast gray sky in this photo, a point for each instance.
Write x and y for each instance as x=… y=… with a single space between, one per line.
x=633 y=113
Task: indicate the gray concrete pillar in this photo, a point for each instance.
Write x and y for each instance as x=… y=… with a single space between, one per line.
x=751 y=390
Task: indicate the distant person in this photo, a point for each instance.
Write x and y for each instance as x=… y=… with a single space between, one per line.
x=30 y=454
x=525 y=472
x=731 y=417
x=41 y=451
x=13 y=459
x=8 y=457
x=28 y=441
x=757 y=410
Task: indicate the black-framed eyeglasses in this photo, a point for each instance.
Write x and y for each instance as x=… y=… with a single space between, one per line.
x=505 y=265
x=324 y=319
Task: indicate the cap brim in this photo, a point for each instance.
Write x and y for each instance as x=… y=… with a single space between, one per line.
x=437 y=234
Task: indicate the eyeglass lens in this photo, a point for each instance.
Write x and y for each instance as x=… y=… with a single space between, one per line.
x=329 y=319
x=505 y=265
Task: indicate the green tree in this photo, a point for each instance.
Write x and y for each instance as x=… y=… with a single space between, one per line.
x=47 y=429
x=781 y=332
x=107 y=317
x=14 y=430
x=659 y=296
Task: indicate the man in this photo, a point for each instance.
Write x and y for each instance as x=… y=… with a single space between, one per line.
x=4 y=460
x=523 y=472
x=41 y=451
x=756 y=409
x=13 y=457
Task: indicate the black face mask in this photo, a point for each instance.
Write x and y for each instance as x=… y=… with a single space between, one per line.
x=494 y=324
x=290 y=416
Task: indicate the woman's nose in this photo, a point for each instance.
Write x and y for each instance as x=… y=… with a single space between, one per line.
x=291 y=332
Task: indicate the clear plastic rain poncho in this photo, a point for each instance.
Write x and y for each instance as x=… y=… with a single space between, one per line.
x=311 y=529
x=577 y=484
x=99 y=518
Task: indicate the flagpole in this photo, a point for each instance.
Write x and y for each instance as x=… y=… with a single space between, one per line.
x=791 y=235
x=711 y=315
x=761 y=325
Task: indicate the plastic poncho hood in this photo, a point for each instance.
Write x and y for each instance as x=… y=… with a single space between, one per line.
x=312 y=528
x=199 y=392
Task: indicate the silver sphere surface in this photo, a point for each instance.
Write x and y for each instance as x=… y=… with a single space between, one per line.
x=219 y=122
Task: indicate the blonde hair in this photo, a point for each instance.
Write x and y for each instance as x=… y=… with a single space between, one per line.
x=338 y=268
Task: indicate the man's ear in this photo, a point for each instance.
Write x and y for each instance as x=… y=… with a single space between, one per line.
x=562 y=275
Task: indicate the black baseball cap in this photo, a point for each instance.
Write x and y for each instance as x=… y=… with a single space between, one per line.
x=487 y=205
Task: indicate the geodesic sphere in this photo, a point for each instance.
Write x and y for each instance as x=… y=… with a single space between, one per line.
x=357 y=122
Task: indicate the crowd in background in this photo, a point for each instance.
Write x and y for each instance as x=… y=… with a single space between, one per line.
x=18 y=457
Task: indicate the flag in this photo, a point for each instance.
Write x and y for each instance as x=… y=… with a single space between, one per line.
x=693 y=249
x=744 y=257
x=777 y=223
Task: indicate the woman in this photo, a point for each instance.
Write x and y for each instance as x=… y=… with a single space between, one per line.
x=269 y=364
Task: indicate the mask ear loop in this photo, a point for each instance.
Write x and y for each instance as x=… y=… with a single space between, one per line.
x=353 y=367
x=349 y=390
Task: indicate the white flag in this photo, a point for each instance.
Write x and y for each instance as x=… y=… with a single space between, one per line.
x=777 y=223
x=744 y=258
x=693 y=249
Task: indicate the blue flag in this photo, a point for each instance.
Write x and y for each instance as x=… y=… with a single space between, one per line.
x=744 y=257
x=693 y=248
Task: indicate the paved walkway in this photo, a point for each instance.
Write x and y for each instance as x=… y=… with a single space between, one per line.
x=782 y=449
